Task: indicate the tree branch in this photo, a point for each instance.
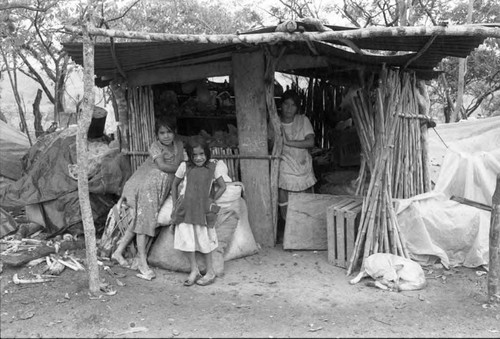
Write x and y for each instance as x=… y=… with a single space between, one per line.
x=21 y=5
x=36 y=76
x=37 y=30
x=124 y=13
x=476 y=103
x=41 y=60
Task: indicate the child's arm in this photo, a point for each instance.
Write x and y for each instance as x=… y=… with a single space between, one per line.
x=174 y=193
x=167 y=167
x=175 y=188
x=222 y=188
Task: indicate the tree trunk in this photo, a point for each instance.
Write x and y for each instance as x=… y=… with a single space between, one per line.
x=82 y=156
x=449 y=103
x=458 y=112
x=13 y=84
x=121 y=111
x=37 y=114
x=402 y=12
x=494 y=260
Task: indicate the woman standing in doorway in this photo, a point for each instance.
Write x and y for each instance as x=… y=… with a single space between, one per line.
x=296 y=167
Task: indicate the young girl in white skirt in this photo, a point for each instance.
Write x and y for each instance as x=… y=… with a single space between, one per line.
x=195 y=209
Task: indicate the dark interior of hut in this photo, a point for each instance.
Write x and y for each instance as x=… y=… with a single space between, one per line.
x=207 y=108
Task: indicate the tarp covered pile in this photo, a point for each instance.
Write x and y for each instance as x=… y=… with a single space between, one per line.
x=436 y=227
x=49 y=180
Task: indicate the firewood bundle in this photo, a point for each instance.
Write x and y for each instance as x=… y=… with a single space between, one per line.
x=230 y=156
x=376 y=116
x=141 y=122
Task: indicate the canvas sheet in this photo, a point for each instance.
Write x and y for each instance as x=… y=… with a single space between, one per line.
x=436 y=227
x=49 y=179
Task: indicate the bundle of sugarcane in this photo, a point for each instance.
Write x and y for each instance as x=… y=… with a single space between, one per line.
x=377 y=120
x=141 y=123
x=408 y=178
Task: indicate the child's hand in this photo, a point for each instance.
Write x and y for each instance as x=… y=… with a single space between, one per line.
x=214 y=208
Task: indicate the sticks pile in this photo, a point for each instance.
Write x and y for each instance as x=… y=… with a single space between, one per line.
x=376 y=115
x=229 y=155
x=141 y=123
x=410 y=175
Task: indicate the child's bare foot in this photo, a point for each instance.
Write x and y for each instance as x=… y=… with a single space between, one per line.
x=144 y=268
x=207 y=279
x=120 y=259
x=193 y=277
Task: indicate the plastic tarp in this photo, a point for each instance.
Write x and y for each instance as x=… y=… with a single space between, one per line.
x=13 y=146
x=436 y=227
x=49 y=179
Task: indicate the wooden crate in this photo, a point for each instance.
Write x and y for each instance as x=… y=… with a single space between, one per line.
x=342 y=221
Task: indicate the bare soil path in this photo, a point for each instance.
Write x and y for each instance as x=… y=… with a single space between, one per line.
x=274 y=293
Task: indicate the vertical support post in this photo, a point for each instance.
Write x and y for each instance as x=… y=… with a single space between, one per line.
x=494 y=259
x=249 y=90
x=82 y=153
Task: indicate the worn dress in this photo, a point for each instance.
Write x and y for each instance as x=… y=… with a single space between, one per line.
x=191 y=237
x=148 y=187
x=296 y=168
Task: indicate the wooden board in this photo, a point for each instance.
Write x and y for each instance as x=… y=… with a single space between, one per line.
x=305 y=227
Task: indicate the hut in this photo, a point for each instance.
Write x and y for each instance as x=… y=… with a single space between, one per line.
x=376 y=73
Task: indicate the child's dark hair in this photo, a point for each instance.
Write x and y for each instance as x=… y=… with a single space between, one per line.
x=291 y=94
x=165 y=121
x=197 y=142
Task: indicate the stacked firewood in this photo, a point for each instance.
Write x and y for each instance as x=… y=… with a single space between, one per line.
x=376 y=116
x=141 y=122
x=230 y=156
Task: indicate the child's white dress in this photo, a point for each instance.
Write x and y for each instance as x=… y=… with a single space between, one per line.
x=189 y=237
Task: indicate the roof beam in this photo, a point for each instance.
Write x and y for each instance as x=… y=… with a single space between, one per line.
x=362 y=33
x=178 y=74
x=212 y=69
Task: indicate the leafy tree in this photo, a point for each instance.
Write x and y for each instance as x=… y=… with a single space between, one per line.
x=31 y=35
x=176 y=16
x=31 y=30
x=482 y=79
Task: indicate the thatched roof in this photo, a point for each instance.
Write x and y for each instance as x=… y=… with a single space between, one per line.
x=319 y=58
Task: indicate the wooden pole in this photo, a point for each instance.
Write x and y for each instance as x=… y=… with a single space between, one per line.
x=251 y=112
x=274 y=120
x=466 y=30
x=82 y=154
x=494 y=260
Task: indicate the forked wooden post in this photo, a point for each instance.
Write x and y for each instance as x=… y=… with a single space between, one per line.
x=494 y=260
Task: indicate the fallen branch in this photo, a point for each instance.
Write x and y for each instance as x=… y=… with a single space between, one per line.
x=38 y=279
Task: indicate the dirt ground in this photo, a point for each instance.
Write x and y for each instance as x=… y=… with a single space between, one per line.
x=274 y=293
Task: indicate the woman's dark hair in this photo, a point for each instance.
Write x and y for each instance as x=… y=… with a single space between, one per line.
x=197 y=142
x=165 y=121
x=291 y=94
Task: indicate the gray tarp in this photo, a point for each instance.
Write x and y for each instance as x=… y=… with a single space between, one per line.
x=48 y=179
